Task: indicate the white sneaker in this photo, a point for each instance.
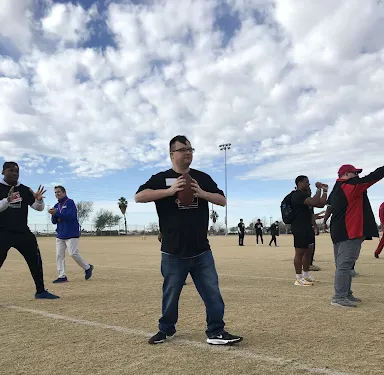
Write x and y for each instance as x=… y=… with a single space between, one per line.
x=303 y=282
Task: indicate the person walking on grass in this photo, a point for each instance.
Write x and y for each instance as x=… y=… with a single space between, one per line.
x=64 y=215
x=185 y=248
x=352 y=223
x=275 y=231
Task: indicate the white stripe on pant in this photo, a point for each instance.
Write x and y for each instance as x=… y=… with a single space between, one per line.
x=72 y=244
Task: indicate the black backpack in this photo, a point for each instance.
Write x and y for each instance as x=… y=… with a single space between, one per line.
x=287 y=214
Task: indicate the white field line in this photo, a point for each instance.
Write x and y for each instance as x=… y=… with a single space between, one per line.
x=232 y=351
x=220 y=274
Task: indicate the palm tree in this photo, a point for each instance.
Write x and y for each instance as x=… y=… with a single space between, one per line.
x=214 y=216
x=123 y=204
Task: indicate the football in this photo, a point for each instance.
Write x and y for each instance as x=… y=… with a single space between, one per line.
x=186 y=196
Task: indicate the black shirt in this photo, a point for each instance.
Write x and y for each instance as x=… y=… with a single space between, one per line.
x=274 y=229
x=241 y=226
x=303 y=213
x=259 y=227
x=184 y=229
x=15 y=217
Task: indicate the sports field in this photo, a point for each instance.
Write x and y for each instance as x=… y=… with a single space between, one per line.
x=101 y=326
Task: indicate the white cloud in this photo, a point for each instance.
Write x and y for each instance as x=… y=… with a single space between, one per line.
x=300 y=93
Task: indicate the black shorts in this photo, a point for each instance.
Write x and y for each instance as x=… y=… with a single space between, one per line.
x=303 y=239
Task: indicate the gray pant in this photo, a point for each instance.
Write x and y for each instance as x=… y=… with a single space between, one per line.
x=346 y=254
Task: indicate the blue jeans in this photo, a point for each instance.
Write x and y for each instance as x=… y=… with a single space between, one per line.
x=204 y=275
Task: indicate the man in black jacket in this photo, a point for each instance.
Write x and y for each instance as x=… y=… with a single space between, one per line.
x=15 y=198
x=274 y=230
x=352 y=222
x=241 y=232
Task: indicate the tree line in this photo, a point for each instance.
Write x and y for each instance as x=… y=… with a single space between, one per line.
x=103 y=218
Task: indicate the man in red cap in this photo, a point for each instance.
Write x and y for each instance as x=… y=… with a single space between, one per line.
x=352 y=222
x=381 y=243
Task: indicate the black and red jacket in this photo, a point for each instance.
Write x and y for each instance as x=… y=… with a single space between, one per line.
x=352 y=215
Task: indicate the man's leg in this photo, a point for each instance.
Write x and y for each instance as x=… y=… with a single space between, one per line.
x=380 y=246
x=73 y=250
x=261 y=237
x=204 y=275
x=29 y=249
x=275 y=240
x=239 y=239
x=257 y=238
x=5 y=245
x=346 y=253
x=302 y=259
x=175 y=272
x=60 y=258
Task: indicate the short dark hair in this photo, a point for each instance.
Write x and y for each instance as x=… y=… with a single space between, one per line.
x=9 y=164
x=299 y=179
x=179 y=138
x=62 y=188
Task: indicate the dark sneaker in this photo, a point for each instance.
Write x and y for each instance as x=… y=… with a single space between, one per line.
x=46 y=295
x=224 y=338
x=61 y=280
x=376 y=256
x=343 y=302
x=353 y=298
x=88 y=272
x=160 y=337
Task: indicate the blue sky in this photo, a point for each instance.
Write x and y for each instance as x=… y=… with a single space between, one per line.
x=91 y=92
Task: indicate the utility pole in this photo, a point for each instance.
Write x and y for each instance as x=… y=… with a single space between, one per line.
x=225 y=147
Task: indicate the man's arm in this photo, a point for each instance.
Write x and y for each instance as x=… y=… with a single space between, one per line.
x=362 y=184
x=212 y=193
x=4 y=204
x=215 y=198
x=38 y=205
x=318 y=200
x=149 y=195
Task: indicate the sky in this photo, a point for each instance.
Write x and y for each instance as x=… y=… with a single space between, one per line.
x=91 y=92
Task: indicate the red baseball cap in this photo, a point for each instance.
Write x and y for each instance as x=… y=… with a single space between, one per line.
x=348 y=168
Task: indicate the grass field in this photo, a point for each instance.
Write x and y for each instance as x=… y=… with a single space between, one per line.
x=101 y=326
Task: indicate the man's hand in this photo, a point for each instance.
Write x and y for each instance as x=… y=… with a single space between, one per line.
x=324 y=187
x=318 y=185
x=177 y=186
x=52 y=211
x=199 y=192
x=11 y=195
x=39 y=195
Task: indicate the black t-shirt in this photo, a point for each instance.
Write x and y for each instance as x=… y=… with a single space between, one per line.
x=241 y=226
x=259 y=227
x=15 y=217
x=184 y=229
x=303 y=213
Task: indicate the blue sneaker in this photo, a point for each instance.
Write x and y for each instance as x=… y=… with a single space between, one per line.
x=46 y=295
x=88 y=272
x=60 y=280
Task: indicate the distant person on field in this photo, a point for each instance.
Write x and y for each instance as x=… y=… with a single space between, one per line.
x=241 y=232
x=259 y=231
x=381 y=243
x=64 y=215
x=275 y=231
x=302 y=226
x=352 y=222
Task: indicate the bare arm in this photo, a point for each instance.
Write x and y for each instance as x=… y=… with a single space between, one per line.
x=318 y=200
x=215 y=198
x=328 y=213
x=149 y=195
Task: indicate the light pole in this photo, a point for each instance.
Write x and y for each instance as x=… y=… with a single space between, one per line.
x=225 y=147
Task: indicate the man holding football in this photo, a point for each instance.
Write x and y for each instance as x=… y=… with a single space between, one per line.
x=183 y=218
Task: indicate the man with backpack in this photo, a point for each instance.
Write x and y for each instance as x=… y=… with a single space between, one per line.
x=296 y=209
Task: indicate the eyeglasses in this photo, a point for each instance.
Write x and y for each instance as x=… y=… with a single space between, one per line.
x=185 y=150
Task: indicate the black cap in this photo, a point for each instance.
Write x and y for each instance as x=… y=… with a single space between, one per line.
x=9 y=164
